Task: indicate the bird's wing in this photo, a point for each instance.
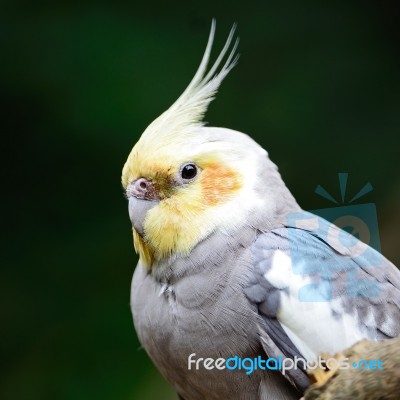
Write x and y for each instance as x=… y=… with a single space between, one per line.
x=319 y=290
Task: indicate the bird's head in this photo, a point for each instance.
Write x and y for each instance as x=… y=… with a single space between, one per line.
x=184 y=180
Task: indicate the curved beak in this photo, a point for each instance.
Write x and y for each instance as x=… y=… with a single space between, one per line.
x=137 y=212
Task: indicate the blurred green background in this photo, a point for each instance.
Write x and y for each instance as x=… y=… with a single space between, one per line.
x=318 y=85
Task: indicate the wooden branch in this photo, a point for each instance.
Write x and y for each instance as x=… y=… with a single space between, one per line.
x=373 y=374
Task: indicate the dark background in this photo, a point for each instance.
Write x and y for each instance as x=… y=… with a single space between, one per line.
x=317 y=85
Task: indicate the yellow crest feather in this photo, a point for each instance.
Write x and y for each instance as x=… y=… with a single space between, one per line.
x=189 y=109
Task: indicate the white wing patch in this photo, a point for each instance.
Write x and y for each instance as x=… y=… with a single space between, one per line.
x=311 y=326
x=278 y=275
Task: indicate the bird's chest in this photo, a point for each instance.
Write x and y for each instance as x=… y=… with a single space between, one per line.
x=204 y=314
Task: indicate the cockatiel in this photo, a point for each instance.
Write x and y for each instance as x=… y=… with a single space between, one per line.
x=230 y=265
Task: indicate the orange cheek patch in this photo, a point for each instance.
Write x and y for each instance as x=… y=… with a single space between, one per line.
x=218 y=183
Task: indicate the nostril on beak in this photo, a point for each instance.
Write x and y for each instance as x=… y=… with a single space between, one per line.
x=143 y=189
x=141 y=185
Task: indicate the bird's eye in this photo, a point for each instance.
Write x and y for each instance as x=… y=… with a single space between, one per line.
x=189 y=171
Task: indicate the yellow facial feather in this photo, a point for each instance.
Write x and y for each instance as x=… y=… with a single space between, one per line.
x=183 y=217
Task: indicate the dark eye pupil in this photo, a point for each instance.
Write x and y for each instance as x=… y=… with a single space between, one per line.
x=189 y=171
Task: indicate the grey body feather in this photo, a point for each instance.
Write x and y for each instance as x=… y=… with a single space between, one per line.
x=217 y=303
x=204 y=310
